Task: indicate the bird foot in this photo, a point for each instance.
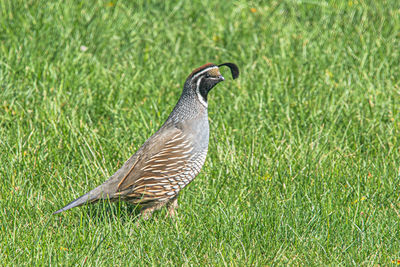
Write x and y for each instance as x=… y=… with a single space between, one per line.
x=172 y=206
x=171 y=213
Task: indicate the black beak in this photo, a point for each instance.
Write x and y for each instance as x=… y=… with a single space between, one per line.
x=233 y=67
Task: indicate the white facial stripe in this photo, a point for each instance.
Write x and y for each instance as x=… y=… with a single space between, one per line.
x=205 y=70
x=201 y=99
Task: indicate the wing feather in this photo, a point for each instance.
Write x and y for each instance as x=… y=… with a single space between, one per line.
x=158 y=172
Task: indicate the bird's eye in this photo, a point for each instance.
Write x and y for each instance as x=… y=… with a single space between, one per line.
x=208 y=75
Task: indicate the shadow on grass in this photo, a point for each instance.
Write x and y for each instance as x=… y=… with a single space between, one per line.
x=120 y=211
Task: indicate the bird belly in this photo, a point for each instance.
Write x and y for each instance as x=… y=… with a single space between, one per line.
x=192 y=170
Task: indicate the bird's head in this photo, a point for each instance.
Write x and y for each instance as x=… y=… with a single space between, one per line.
x=204 y=78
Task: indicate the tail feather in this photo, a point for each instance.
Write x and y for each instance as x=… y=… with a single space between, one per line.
x=105 y=191
x=77 y=202
x=90 y=197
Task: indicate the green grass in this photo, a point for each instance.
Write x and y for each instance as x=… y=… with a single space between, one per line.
x=304 y=158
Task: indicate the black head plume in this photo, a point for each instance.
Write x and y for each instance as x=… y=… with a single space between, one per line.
x=233 y=67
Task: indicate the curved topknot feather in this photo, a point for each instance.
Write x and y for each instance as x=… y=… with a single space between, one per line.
x=233 y=67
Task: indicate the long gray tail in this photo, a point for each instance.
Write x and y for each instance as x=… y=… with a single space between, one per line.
x=90 y=197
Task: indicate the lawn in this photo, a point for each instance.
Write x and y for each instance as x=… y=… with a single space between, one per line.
x=304 y=157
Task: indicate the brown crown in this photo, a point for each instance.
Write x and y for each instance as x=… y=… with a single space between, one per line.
x=201 y=68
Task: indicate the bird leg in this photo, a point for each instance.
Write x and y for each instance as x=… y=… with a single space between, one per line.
x=145 y=214
x=172 y=206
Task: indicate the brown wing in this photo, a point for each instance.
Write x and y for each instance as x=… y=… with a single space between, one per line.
x=161 y=170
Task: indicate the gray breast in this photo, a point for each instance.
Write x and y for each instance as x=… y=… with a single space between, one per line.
x=196 y=130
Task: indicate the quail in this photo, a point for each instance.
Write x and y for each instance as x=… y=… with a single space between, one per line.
x=171 y=158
